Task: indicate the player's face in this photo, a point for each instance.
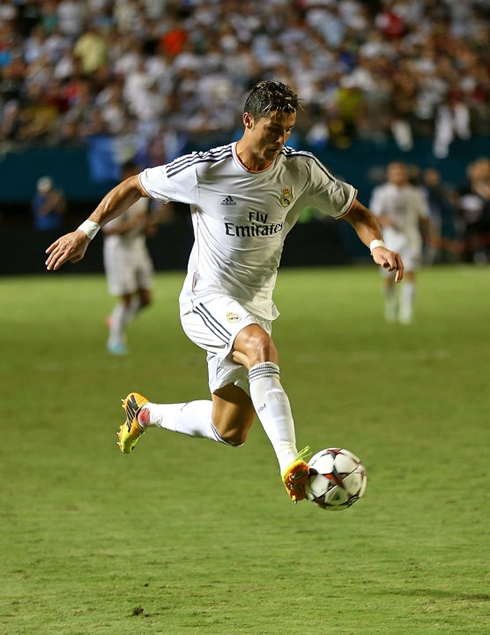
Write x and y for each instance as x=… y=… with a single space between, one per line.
x=268 y=135
x=398 y=174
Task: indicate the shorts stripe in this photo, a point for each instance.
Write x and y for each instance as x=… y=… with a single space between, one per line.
x=212 y=323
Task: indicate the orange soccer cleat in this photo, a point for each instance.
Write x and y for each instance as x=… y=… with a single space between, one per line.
x=130 y=431
x=296 y=476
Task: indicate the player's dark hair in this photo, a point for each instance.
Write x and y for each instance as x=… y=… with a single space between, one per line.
x=268 y=96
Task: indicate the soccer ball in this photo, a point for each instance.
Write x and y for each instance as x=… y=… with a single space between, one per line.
x=338 y=479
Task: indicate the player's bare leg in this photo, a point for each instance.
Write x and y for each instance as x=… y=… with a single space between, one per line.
x=144 y=297
x=123 y=314
x=233 y=414
x=254 y=349
x=226 y=418
x=118 y=322
x=230 y=414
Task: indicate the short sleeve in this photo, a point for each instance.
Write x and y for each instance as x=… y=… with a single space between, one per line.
x=327 y=193
x=170 y=185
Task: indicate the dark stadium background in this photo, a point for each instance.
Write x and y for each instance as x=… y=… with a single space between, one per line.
x=87 y=85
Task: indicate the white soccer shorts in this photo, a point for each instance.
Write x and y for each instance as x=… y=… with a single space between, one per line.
x=410 y=251
x=213 y=325
x=127 y=270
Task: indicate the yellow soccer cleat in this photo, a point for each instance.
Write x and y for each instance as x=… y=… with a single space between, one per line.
x=296 y=477
x=130 y=431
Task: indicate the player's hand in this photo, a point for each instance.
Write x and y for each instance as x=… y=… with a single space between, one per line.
x=70 y=247
x=389 y=260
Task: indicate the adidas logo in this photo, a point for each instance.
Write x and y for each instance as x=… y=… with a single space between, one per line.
x=229 y=200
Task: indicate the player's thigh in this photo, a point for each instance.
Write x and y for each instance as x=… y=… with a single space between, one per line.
x=233 y=413
x=215 y=321
x=144 y=271
x=254 y=345
x=412 y=257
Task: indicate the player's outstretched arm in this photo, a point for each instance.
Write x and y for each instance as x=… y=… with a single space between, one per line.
x=369 y=231
x=72 y=247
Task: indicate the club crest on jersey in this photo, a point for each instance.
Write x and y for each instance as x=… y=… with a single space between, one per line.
x=286 y=197
x=232 y=317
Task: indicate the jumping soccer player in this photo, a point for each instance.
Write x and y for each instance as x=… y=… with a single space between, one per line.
x=244 y=198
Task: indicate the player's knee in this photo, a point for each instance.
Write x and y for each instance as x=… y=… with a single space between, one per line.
x=260 y=348
x=235 y=438
x=145 y=298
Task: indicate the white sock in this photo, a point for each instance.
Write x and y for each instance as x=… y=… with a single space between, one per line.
x=192 y=418
x=390 y=303
x=119 y=320
x=406 y=300
x=274 y=411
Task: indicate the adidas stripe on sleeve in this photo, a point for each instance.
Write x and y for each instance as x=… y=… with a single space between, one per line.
x=164 y=184
x=326 y=192
x=334 y=197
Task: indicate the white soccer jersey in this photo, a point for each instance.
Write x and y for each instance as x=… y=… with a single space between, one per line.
x=405 y=206
x=134 y=236
x=241 y=218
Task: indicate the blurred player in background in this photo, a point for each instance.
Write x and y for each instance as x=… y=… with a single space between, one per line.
x=128 y=266
x=244 y=199
x=474 y=204
x=401 y=210
x=442 y=200
x=48 y=206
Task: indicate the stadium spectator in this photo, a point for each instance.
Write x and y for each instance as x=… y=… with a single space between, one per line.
x=49 y=16
x=92 y=50
x=48 y=206
x=10 y=121
x=8 y=12
x=72 y=15
x=473 y=206
x=371 y=70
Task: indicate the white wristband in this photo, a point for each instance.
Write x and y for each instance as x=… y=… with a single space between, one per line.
x=89 y=228
x=376 y=243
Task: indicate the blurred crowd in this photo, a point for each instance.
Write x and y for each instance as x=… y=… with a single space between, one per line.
x=460 y=217
x=167 y=73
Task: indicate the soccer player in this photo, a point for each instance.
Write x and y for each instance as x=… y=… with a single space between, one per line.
x=244 y=198
x=128 y=266
x=401 y=210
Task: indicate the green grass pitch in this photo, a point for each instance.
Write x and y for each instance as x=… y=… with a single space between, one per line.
x=190 y=537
